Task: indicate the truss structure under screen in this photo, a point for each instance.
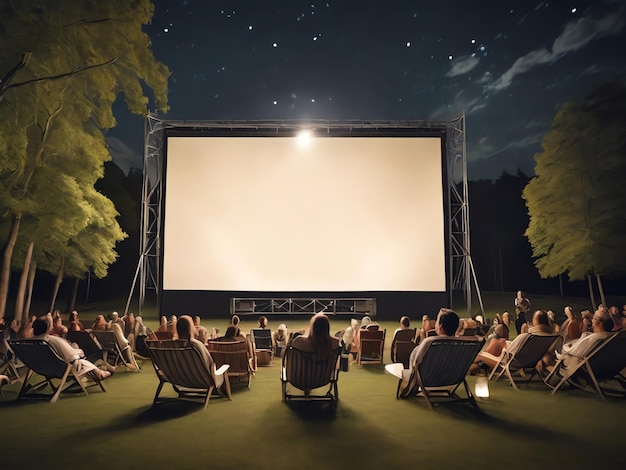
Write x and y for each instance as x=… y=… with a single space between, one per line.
x=461 y=271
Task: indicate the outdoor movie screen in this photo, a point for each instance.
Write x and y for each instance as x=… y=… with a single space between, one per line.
x=276 y=214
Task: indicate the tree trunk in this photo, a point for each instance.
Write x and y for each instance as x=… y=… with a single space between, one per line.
x=5 y=274
x=591 y=295
x=31 y=282
x=20 y=297
x=601 y=290
x=57 y=284
x=72 y=303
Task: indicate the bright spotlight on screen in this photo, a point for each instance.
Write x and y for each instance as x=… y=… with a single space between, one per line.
x=304 y=138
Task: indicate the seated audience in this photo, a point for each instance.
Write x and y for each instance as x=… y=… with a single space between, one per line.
x=616 y=316
x=571 y=326
x=75 y=323
x=540 y=324
x=233 y=330
x=162 y=325
x=123 y=343
x=41 y=330
x=100 y=323
x=556 y=328
x=280 y=339
x=171 y=327
x=467 y=326
x=445 y=326
x=201 y=333
x=26 y=328
x=572 y=353
x=428 y=326
x=368 y=324
x=115 y=318
x=586 y=323
x=506 y=320
x=490 y=355
x=405 y=324
x=58 y=329
x=351 y=338
x=185 y=330
x=318 y=339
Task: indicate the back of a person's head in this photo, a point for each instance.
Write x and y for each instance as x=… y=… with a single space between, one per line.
x=604 y=319
x=184 y=327
x=320 y=326
x=365 y=321
x=541 y=318
x=235 y=320
x=448 y=320
x=405 y=321
x=41 y=325
x=502 y=331
x=263 y=322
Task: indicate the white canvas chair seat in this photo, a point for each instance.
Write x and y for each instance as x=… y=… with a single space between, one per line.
x=316 y=380
x=41 y=359
x=114 y=352
x=524 y=361
x=178 y=363
x=440 y=373
x=602 y=363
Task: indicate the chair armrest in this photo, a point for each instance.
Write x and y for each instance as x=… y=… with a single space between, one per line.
x=222 y=369
x=395 y=369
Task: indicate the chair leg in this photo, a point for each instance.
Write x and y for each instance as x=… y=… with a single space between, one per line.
x=55 y=397
x=208 y=396
x=227 y=386
x=27 y=377
x=158 y=391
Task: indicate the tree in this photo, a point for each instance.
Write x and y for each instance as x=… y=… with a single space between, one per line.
x=63 y=65
x=577 y=203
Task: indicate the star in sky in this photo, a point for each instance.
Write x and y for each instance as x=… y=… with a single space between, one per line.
x=507 y=68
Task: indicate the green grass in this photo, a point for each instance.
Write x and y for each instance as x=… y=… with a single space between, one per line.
x=369 y=429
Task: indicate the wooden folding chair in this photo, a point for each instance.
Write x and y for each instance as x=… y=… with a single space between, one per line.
x=40 y=358
x=440 y=373
x=316 y=379
x=177 y=362
x=524 y=361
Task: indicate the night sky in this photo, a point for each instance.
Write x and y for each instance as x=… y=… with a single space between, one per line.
x=508 y=65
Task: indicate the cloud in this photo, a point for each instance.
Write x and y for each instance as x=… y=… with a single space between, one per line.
x=463 y=65
x=123 y=155
x=575 y=35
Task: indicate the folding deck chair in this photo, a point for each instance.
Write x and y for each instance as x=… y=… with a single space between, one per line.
x=315 y=379
x=525 y=359
x=40 y=358
x=603 y=363
x=402 y=345
x=371 y=346
x=234 y=353
x=177 y=362
x=263 y=347
x=440 y=373
x=91 y=349
x=114 y=352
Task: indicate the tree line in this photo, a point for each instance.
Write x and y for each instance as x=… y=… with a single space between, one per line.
x=63 y=64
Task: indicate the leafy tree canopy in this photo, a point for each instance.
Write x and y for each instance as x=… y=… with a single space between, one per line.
x=577 y=203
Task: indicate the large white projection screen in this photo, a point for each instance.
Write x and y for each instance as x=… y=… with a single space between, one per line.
x=330 y=215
